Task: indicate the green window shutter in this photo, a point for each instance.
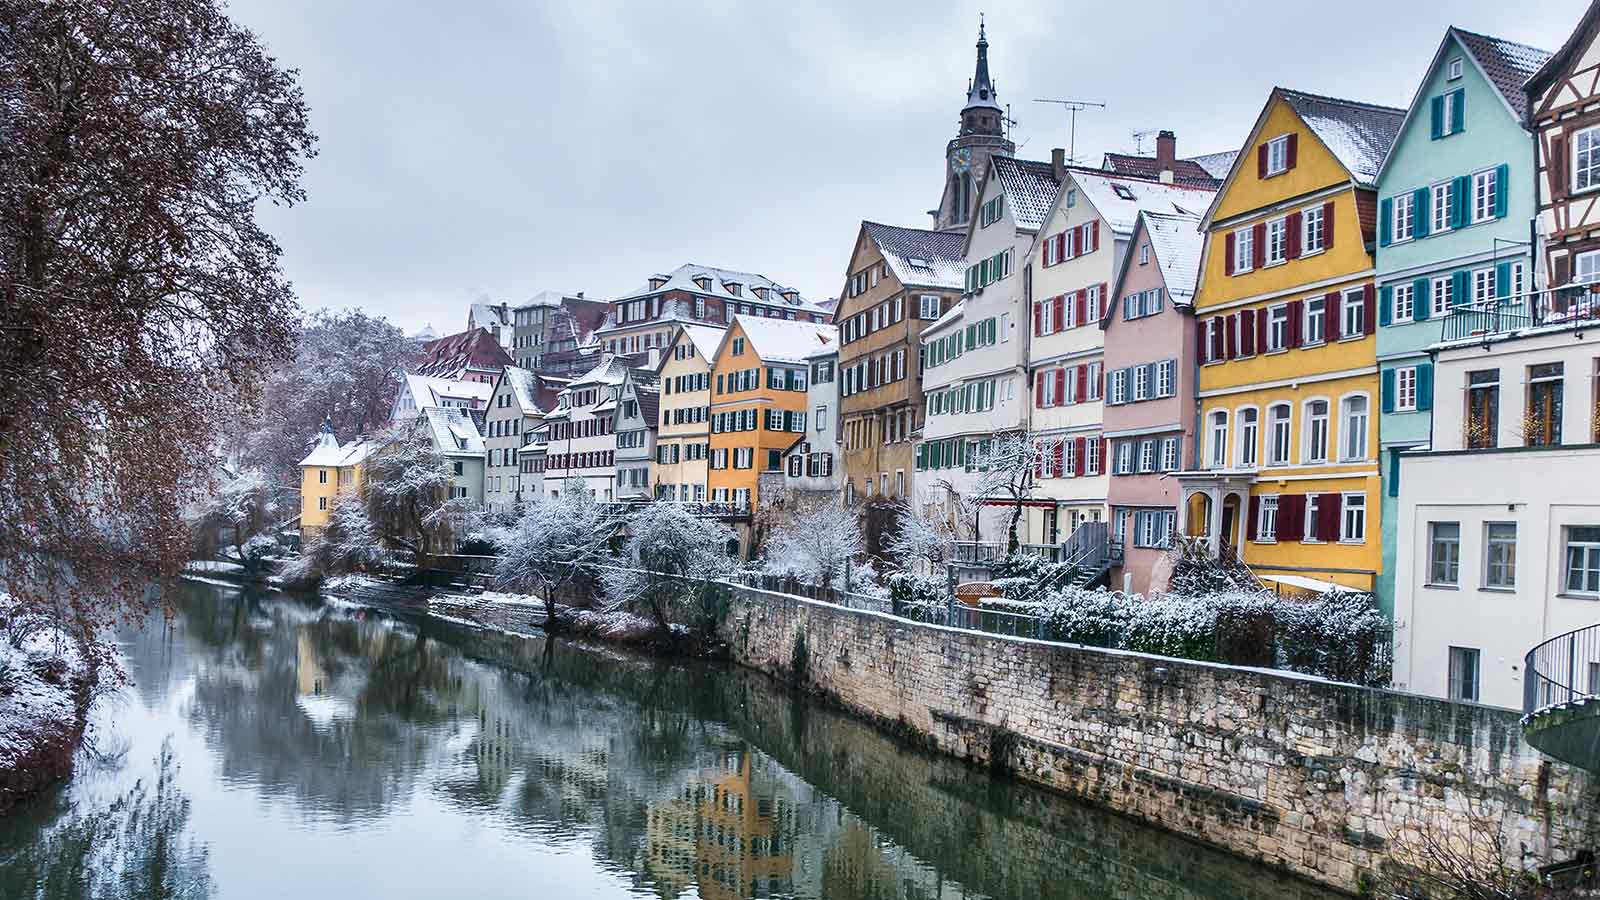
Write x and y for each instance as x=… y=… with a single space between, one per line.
x=1385 y=221
x=1420 y=219
x=1502 y=175
x=1385 y=302
x=1458 y=112
x=992 y=328
x=971 y=337
x=1394 y=472
x=1460 y=197
x=1460 y=288
x=1425 y=386
x=1421 y=299
x=1437 y=106
x=1388 y=390
x=1502 y=280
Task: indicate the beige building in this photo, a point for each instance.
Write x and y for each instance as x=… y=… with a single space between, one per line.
x=683 y=438
x=899 y=279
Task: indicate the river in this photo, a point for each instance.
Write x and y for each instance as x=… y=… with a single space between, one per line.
x=272 y=746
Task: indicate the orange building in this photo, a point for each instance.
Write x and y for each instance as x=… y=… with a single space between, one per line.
x=758 y=401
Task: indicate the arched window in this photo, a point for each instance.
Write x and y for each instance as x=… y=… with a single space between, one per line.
x=1249 y=442
x=1353 y=427
x=1314 y=447
x=1278 y=418
x=1217 y=446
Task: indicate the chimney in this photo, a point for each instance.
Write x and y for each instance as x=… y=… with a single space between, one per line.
x=1166 y=155
x=1058 y=163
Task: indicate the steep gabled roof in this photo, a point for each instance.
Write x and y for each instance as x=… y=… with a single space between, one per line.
x=1507 y=64
x=450 y=357
x=1562 y=59
x=534 y=395
x=1119 y=199
x=429 y=390
x=1190 y=172
x=919 y=257
x=1358 y=134
x=454 y=432
x=1030 y=188
x=781 y=340
x=1177 y=243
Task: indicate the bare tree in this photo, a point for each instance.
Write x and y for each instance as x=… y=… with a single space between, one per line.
x=1467 y=854
x=918 y=536
x=1007 y=466
x=241 y=515
x=407 y=492
x=346 y=544
x=669 y=552
x=815 y=544
x=555 y=543
x=140 y=302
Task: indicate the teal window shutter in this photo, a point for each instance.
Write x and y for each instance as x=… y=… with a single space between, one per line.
x=1502 y=280
x=1394 y=472
x=1425 y=386
x=1388 y=390
x=1502 y=175
x=1437 y=106
x=1385 y=220
x=1385 y=301
x=1460 y=196
x=1421 y=299
x=1420 y=217
x=1460 y=288
x=1458 y=112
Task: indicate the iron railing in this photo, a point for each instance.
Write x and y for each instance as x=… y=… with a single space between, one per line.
x=1506 y=315
x=1561 y=670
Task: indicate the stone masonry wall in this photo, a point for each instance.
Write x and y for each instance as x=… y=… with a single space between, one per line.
x=1328 y=781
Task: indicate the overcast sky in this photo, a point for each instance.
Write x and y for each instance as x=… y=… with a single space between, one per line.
x=497 y=148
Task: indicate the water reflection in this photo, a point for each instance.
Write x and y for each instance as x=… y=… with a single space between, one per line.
x=330 y=750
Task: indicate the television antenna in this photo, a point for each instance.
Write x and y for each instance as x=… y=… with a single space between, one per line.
x=1072 y=107
x=1138 y=140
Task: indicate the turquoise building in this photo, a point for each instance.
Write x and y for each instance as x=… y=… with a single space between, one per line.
x=1455 y=211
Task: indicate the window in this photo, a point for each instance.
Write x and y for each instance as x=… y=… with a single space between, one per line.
x=1147 y=456
x=1404 y=223
x=738 y=346
x=1315 y=449
x=1249 y=435
x=1449 y=107
x=1353 y=428
x=1218 y=455
x=1354 y=517
x=1124 y=461
x=1278 y=155
x=929 y=308
x=1267 y=523
x=1481 y=426
x=1144 y=254
x=1141 y=382
x=1443 y=295
x=1243 y=250
x=1278 y=327
x=1309 y=526
x=1072 y=198
x=1277 y=241
x=1403 y=297
x=1454 y=70
x=1119 y=386
x=1463 y=674
x=1169 y=454
x=1166 y=371
x=1405 y=389
x=322 y=476
x=322 y=503
x=1541 y=425
x=1586 y=159
x=1278 y=421
x=1444 y=552
x=1316 y=326
x=991 y=212
x=1483 y=191
x=1440 y=207
x=1583 y=559
x=1312 y=230
x=1500 y=554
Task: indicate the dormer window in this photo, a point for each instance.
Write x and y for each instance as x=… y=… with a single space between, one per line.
x=732 y=287
x=1454 y=70
x=1123 y=191
x=657 y=282
x=703 y=282
x=760 y=292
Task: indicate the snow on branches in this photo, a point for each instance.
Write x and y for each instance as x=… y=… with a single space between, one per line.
x=815 y=544
x=666 y=550
x=407 y=492
x=555 y=543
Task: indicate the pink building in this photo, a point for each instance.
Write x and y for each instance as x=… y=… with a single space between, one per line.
x=1150 y=385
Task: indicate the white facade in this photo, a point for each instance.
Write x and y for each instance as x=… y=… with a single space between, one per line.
x=420 y=392
x=814 y=463
x=1498 y=546
x=637 y=412
x=583 y=442
x=509 y=423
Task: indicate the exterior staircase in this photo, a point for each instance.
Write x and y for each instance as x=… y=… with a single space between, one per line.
x=1560 y=704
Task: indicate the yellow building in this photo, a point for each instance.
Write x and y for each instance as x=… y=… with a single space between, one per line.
x=683 y=443
x=325 y=473
x=1285 y=472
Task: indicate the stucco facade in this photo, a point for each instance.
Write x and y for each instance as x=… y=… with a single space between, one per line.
x=683 y=438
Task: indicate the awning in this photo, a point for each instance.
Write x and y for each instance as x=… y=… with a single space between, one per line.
x=1309 y=584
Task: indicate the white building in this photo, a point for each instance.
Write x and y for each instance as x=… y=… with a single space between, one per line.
x=456 y=436
x=974 y=358
x=811 y=464
x=638 y=413
x=583 y=431
x=1498 y=543
x=513 y=415
x=419 y=392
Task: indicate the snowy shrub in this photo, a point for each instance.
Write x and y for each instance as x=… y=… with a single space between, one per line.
x=1096 y=618
x=238 y=518
x=345 y=545
x=666 y=546
x=815 y=546
x=910 y=591
x=556 y=543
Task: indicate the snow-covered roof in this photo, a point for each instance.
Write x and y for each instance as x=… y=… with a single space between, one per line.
x=484 y=315
x=705 y=339
x=1177 y=242
x=919 y=257
x=454 y=432
x=1216 y=164
x=720 y=282
x=548 y=298
x=1359 y=135
x=1196 y=172
x=783 y=341
x=524 y=386
x=1030 y=188
x=326 y=452
x=611 y=370
x=428 y=390
x=1507 y=64
x=1119 y=199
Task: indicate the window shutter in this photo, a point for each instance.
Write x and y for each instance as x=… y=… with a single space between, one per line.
x=1388 y=390
x=1368 y=314
x=1261 y=330
x=1078 y=452
x=1094 y=235
x=1227 y=259
x=1104 y=294
x=1247 y=332
x=1261 y=161
x=1556 y=166
x=1251 y=531
x=1230 y=336
x=1436 y=119
x=1083 y=384
x=1421 y=299
x=1292 y=244
x=1332 y=318
x=1060 y=324
x=1420 y=217
x=1460 y=288
x=1080 y=306
x=1458 y=112
x=1295 y=325
x=1291 y=517
x=1258 y=244
x=1425 y=386
x=1385 y=221
x=1219 y=347
x=1059 y=450
x=1038 y=390
x=1385 y=309
x=1328 y=517
x=1038 y=460
x=1460 y=193
x=1502 y=280
x=1292 y=150
x=1327 y=225
x=1502 y=174
x=1199 y=347
x=1061 y=387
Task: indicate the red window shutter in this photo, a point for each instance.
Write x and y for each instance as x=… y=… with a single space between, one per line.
x=1038 y=391
x=1080 y=306
x=1247 y=332
x=1061 y=312
x=1059 y=451
x=1061 y=387
x=1369 y=307
x=1227 y=259
x=1291 y=517
x=1251 y=531
x=1292 y=150
x=1094 y=235
x=1079 y=454
x=1295 y=324
x=1105 y=454
x=1199 y=342
x=1083 y=383
x=1327 y=225
x=1258 y=244
x=1261 y=161
x=1061 y=246
x=1292 y=244
x=1230 y=335
x=1105 y=296
x=1330 y=312
x=1038 y=460
x=1261 y=330
x=1219 y=347
x=1328 y=517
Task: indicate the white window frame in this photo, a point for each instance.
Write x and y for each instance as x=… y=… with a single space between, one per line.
x=1347 y=424
x=1586 y=159
x=1439 y=206
x=1217 y=439
x=1483 y=191
x=1581 y=261
x=1509 y=563
x=1272 y=432
x=1267 y=520
x=1277 y=251
x=1405 y=389
x=1448 y=119
x=1404 y=224
x=1169 y=454
x=1483 y=287
x=1353 y=305
x=1144 y=253
x=1247 y=448
x=1316 y=311
x=929 y=307
x=1278 y=155
x=1243 y=250
x=1312 y=231
x=1402 y=303
x=1450 y=576
x=1453 y=69
x=1588 y=562
x=1166 y=370
x=1441 y=295
x=1277 y=328
x=1353 y=512
x=1310 y=433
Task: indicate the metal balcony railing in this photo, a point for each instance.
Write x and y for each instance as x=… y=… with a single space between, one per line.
x=1506 y=315
x=1561 y=670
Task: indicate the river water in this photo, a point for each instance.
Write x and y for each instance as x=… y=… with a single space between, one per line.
x=272 y=746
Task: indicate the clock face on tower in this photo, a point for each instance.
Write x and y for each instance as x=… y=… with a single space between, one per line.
x=962 y=160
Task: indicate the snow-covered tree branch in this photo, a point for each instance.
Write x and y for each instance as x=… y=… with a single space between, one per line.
x=554 y=543
x=667 y=550
x=815 y=544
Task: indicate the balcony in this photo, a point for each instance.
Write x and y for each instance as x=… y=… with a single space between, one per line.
x=1560 y=706
x=1571 y=304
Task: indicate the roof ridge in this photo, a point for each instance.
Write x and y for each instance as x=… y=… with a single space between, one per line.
x=1340 y=100
x=903 y=227
x=1491 y=37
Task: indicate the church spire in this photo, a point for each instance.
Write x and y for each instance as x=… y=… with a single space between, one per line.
x=980 y=91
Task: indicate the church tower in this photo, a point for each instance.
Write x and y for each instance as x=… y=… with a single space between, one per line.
x=981 y=135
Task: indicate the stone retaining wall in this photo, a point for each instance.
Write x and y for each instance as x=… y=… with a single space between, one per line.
x=1329 y=781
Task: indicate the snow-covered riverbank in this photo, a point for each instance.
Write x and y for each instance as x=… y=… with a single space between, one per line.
x=46 y=683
